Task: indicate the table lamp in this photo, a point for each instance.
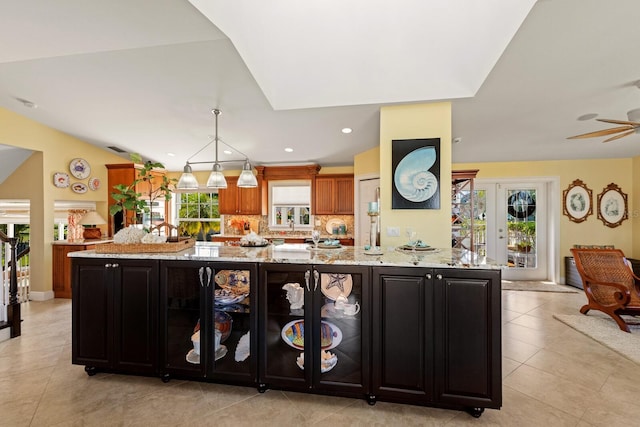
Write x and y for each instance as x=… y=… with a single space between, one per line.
x=89 y=222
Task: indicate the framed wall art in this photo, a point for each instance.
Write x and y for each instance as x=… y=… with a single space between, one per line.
x=612 y=206
x=416 y=173
x=577 y=201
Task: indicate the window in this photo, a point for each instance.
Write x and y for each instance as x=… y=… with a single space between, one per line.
x=197 y=215
x=290 y=203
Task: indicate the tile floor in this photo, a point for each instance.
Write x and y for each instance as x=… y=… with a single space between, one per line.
x=553 y=376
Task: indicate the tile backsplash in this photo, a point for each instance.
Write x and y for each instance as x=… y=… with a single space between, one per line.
x=259 y=224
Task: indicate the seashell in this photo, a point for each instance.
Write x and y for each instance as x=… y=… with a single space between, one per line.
x=412 y=178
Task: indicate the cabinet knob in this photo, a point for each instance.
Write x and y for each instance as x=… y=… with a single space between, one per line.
x=116 y=265
x=107 y=266
x=439 y=276
x=428 y=276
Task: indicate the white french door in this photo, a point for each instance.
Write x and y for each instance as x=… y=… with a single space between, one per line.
x=516 y=227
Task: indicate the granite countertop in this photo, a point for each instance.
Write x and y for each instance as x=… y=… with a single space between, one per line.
x=288 y=236
x=304 y=254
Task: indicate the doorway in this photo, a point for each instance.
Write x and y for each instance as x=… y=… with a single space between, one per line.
x=517 y=227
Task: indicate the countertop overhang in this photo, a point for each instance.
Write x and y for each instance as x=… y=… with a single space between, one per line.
x=306 y=254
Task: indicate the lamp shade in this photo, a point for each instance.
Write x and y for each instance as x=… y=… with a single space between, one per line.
x=247 y=179
x=216 y=177
x=187 y=180
x=92 y=218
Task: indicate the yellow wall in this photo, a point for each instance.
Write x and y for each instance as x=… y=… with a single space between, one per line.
x=413 y=122
x=33 y=180
x=596 y=174
x=367 y=163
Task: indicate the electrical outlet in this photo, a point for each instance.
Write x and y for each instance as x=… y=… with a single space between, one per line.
x=393 y=231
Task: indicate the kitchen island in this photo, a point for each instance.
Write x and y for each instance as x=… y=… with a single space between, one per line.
x=416 y=326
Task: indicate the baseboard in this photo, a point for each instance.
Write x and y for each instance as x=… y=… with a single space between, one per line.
x=41 y=296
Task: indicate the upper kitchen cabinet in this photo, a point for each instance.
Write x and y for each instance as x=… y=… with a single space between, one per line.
x=245 y=201
x=333 y=195
x=126 y=174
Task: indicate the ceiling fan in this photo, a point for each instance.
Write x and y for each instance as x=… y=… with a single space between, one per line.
x=627 y=127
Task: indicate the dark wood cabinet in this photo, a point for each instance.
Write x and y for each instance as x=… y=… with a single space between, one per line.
x=114 y=314
x=437 y=337
x=189 y=304
x=333 y=195
x=402 y=341
x=296 y=342
x=61 y=273
x=234 y=200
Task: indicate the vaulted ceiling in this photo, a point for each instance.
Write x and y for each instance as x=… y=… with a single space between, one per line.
x=143 y=76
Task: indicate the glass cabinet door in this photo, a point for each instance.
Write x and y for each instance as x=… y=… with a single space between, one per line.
x=231 y=322
x=342 y=296
x=184 y=285
x=283 y=302
x=312 y=326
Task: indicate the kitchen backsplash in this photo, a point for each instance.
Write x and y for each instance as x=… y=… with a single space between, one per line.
x=237 y=224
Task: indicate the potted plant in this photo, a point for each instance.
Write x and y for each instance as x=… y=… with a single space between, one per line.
x=128 y=200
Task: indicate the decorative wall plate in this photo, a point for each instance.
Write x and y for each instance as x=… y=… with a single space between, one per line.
x=333 y=223
x=80 y=168
x=333 y=285
x=61 y=180
x=94 y=183
x=293 y=334
x=78 y=187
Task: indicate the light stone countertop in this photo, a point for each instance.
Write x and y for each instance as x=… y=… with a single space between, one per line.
x=305 y=254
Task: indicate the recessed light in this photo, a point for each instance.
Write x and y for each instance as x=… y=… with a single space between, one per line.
x=347 y=130
x=171 y=155
x=288 y=150
x=588 y=116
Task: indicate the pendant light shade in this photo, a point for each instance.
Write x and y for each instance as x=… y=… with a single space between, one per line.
x=247 y=179
x=216 y=179
x=187 y=180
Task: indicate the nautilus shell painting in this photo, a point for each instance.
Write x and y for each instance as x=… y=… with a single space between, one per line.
x=415 y=174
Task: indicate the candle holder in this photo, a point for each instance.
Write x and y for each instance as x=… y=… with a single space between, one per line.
x=374 y=228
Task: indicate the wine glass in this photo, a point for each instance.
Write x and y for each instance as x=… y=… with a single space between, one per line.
x=315 y=236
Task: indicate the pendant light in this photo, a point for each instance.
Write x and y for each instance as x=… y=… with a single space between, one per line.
x=216 y=179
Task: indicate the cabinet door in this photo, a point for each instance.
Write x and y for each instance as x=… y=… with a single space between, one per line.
x=282 y=338
x=250 y=201
x=402 y=314
x=468 y=337
x=92 y=308
x=341 y=329
x=228 y=198
x=136 y=315
x=183 y=287
x=324 y=196
x=344 y=196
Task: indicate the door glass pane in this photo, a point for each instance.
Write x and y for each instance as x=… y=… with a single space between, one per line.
x=521 y=228
x=480 y=223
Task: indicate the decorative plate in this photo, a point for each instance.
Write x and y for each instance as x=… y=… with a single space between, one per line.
x=333 y=285
x=293 y=334
x=416 y=248
x=325 y=246
x=223 y=298
x=254 y=245
x=234 y=281
x=80 y=168
x=94 y=184
x=78 y=187
x=61 y=180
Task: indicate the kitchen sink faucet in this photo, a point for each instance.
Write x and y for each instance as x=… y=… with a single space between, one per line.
x=292 y=225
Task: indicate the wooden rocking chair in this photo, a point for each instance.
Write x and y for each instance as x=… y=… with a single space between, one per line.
x=609 y=283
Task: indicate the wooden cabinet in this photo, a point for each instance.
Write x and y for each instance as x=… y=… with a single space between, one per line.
x=62 y=267
x=333 y=195
x=126 y=174
x=188 y=302
x=234 y=200
x=293 y=337
x=115 y=314
x=437 y=337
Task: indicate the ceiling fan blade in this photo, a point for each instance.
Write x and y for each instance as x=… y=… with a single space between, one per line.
x=602 y=132
x=619 y=122
x=622 y=135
